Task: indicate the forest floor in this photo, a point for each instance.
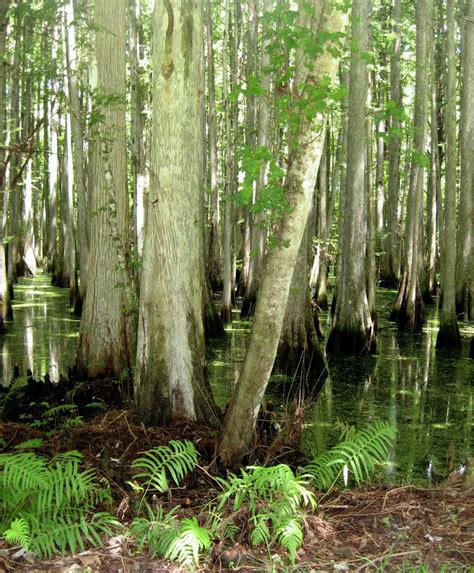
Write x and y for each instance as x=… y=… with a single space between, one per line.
x=376 y=528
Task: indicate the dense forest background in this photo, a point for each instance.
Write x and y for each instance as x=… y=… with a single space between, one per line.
x=166 y=161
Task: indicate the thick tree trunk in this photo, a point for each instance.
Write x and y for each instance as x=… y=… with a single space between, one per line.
x=465 y=240
x=448 y=334
x=352 y=330
x=170 y=374
x=268 y=321
x=106 y=343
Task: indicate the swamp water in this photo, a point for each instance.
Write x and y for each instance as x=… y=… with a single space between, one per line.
x=428 y=396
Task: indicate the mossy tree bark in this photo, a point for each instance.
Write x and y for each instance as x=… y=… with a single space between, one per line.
x=106 y=342
x=465 y=237
x=171 y=371
x=352 y=330
x=448 y=334
x=268 y=321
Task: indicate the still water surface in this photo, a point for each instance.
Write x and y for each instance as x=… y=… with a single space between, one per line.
x=427 y=396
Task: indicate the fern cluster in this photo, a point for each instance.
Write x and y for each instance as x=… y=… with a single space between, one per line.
x=47 y=506
x=275 y=498
x=356 y=456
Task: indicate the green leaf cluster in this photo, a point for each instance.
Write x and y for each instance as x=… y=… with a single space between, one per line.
x=47 y=506
x=356 y=456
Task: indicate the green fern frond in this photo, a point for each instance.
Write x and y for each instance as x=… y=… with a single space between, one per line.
x=32 y=444
x=289 y=534
x=18 y=532
x=22 y=471
x=157 y=530
x=192 y=539
x=176 y=459
x=260 y=533
x=359 y=452
x=59 y=410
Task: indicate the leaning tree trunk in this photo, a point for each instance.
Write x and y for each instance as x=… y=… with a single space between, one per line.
x=352 y=330
x=448 y=334
x=465 y=248
x=106 y=342
x=408 y=308
x=170 y=373
x=268 y=321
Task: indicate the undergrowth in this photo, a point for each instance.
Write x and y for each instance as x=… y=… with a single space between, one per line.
x=52 y=506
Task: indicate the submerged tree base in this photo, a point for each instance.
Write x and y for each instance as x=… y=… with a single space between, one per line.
x=448 y=336
x=306 y=362
x=347 y=342
x=248 y=306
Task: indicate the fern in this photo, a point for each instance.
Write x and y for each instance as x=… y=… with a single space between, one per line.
x=32 y=444
x=164 y=536
x=274 y=496
x=52 y=502
x=176 y=460
x=358 y=453
x=18 y=533
x=190 y=541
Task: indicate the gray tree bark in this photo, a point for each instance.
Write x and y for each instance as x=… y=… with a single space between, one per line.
x=107 y=338
x=352 y=330
x=171 y=371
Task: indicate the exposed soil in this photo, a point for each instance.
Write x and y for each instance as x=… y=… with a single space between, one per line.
x=371 y=529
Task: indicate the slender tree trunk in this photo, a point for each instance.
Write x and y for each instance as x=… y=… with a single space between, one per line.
x=214 y=258
x=228 y=284
x=5 y=303
x=352 y=330
x=107 y=338
x=390 y=272
x=409 y=311
x=78 y=151
x=448 y=334
x=465 y=237
x=268 y=321
x=139 y=171
x=258 y=230
x=170 y=373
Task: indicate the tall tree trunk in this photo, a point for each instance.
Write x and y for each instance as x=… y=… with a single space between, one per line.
x=170 y=373
x=78 y=151
x=228 y=281
x=140 y=176
x=214 y=257
x=258 y=230
x=5 y=303
x=106 y=342
x=391 y=265
x=448 y=334
x=465 y=248
x=408 y=308
x=352 y=330
x=268 y=321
